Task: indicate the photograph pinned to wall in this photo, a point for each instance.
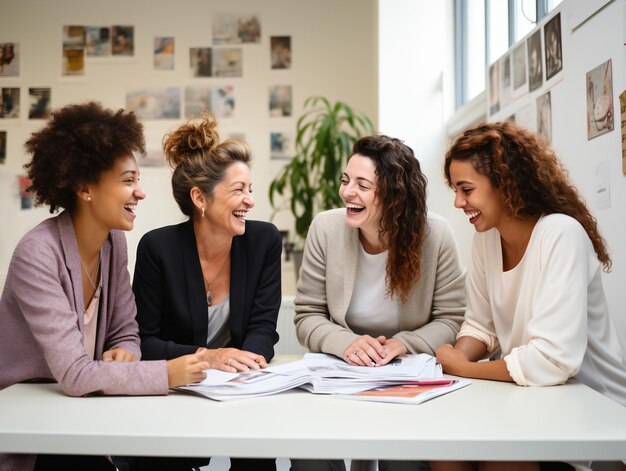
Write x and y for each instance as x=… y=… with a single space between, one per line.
x=553 y=46
x=281 y=147
x=544 y=117
x=10 y=103
x=505 y=80
x=97 y=41
x=223 y=101
x=622 y=103
x=526 y=117
x=197 y=101
x=154 y=103
x=519 y=67
x=600 y=100
x=9 y=59
x=280 y=52
x=164 y=53
x=73 y=50
x=26 y=196
x=249 y=29
x=230 y=28
x=40 y=104
x=228 y=62
x=3 y=146
x=535 y=61
x=280 y=101
x=123 y=40
x=200 y=62
x=494 y=88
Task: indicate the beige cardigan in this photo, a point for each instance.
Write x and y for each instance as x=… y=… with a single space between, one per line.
x=431 y=316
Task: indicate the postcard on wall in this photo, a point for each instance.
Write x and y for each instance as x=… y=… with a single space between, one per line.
x=164 y=53
x=280 y=52
x=97 y=41
x=519 y=67
x=223 y=101
x=600 y=100
x=281 y=147
x=535 y=61
x=280 y=100
x=26 y=196
x=10 y=103
x=40 y=102
x=544 y=116
x=553 y=46
x=3 y=146
x=228 y=62
x=494 y=88
x=154 y=103
x=526 y=117
x=505 y=80
x=9 y=59
x=200 y=61
x=236 y=29
x=123 y=40
x=197 y=101
x=73 y=50
x=622 y=103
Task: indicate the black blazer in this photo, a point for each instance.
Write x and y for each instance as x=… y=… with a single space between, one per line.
x=171 y=298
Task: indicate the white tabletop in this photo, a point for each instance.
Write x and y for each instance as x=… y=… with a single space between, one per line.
x=484 y=421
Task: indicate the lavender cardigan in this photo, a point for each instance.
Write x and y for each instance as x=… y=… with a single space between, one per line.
x=41 y=321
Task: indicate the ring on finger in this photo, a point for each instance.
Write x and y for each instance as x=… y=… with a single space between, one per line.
x=229 y=362
x=355 y=353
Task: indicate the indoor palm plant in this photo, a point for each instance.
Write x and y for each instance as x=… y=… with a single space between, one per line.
x=309 y=183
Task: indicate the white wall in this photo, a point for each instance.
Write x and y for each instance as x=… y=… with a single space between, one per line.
x=334 y=54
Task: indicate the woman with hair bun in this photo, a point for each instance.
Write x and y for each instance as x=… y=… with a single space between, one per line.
x=67 y=312
x=210 y=285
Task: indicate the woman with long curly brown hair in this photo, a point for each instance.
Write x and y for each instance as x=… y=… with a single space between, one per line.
x=534 y=283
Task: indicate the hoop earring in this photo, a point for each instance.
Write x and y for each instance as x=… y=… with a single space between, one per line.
x=203 y=211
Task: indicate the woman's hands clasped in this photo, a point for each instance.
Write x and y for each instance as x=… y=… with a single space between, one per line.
x=231 y=360
x=370 y=351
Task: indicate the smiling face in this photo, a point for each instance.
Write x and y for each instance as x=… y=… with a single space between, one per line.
x=476 y=196
x=358 y=192
x=231 y=201
x=114 y=198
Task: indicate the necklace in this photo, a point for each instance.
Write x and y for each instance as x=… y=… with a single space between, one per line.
x=209 y=296
x=93 y=274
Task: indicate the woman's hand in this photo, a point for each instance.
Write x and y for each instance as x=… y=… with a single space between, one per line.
x=393 y=348
x=118 y=354
x=366 y=351
x=231 y=360
x=452 y=359
x=186 y=369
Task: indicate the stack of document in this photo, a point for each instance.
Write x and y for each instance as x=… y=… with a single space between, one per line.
x=408 y=379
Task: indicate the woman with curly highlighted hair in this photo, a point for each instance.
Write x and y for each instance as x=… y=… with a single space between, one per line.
x=68 y=311
x=534 y=283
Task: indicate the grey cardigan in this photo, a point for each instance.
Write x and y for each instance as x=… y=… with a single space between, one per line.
x=431 y=316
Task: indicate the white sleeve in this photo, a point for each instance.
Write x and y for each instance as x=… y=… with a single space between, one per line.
x=478 y=316
x=557 y=330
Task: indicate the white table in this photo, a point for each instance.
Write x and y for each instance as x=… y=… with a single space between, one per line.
x=484 y=421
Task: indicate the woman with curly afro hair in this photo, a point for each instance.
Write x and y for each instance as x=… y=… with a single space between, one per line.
x=68 y=311
x=534 y=282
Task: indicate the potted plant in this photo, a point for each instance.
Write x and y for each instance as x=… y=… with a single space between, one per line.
x=309 y=183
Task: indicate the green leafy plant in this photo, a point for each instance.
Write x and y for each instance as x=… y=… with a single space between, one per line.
x=309 y=183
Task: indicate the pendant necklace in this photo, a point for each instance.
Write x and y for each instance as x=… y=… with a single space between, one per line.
x=209 y=296
x=93 y=274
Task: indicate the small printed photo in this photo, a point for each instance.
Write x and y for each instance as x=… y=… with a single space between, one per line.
x=280 y=101
x=39 y=101
x=73 y=37
x=164 y=53
x=155 y=103
x=9 y=59
x=280 y=50
x=97 y=41
x=123 y=40
x=3 y=146
x=600 y=118
x=73 y=61
x=544 y=117
x=519 y=66
x=280 y=146
x=535 y=61
x=26 y=196
x=200 y=61
x=197 y=101
x=236 y=29
x=223 y=101
x=526 y=117
x=554 y=52
x=505 y=80
x=228 y=62
x=494 y=88
x=10 y=103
